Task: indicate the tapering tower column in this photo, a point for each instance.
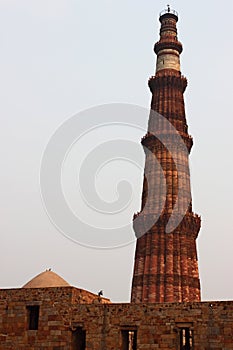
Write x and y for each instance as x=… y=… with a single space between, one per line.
x=166 y=267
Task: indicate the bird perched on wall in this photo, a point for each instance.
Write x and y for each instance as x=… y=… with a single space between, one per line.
x=101 y=293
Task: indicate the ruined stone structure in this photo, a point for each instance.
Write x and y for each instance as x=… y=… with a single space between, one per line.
x=166 y=267
x=68 y=318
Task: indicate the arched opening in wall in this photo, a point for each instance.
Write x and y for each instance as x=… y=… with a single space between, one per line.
x=78 y=339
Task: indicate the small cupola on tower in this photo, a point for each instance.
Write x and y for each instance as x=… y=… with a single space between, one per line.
x=168 y=48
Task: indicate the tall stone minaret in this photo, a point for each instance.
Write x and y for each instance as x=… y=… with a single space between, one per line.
x=166 y=267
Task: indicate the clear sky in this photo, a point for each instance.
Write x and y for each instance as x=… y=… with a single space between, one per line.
x=59 y=57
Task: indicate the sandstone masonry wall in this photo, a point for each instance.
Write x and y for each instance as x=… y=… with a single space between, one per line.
x=63 y=310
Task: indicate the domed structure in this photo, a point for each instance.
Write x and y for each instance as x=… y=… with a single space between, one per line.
x=46 y=279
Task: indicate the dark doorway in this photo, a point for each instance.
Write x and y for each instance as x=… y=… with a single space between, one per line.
x=186 y=339
x=129 y=339
x=79 y=339
x=33 y=316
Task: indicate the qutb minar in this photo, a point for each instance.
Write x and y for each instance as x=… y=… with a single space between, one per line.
x=166 y=266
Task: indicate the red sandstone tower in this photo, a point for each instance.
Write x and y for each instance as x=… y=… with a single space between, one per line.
x=166 y=267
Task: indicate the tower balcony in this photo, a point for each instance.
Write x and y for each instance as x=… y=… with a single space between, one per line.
x=169 y=77
x=168 y=44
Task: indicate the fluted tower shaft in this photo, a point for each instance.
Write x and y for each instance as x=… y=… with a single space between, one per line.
x=166 y=266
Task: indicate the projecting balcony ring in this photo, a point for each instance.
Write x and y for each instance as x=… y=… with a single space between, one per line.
x=162 y=45
x=156 y=82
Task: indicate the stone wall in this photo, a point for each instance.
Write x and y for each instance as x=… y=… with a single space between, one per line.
x=62 y=312
x=158 y=325
x=55 y=314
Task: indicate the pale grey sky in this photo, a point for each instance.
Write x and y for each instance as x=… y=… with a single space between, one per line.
x=59 y=57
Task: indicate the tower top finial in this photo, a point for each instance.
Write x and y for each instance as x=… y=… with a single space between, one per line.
x=169 y=11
